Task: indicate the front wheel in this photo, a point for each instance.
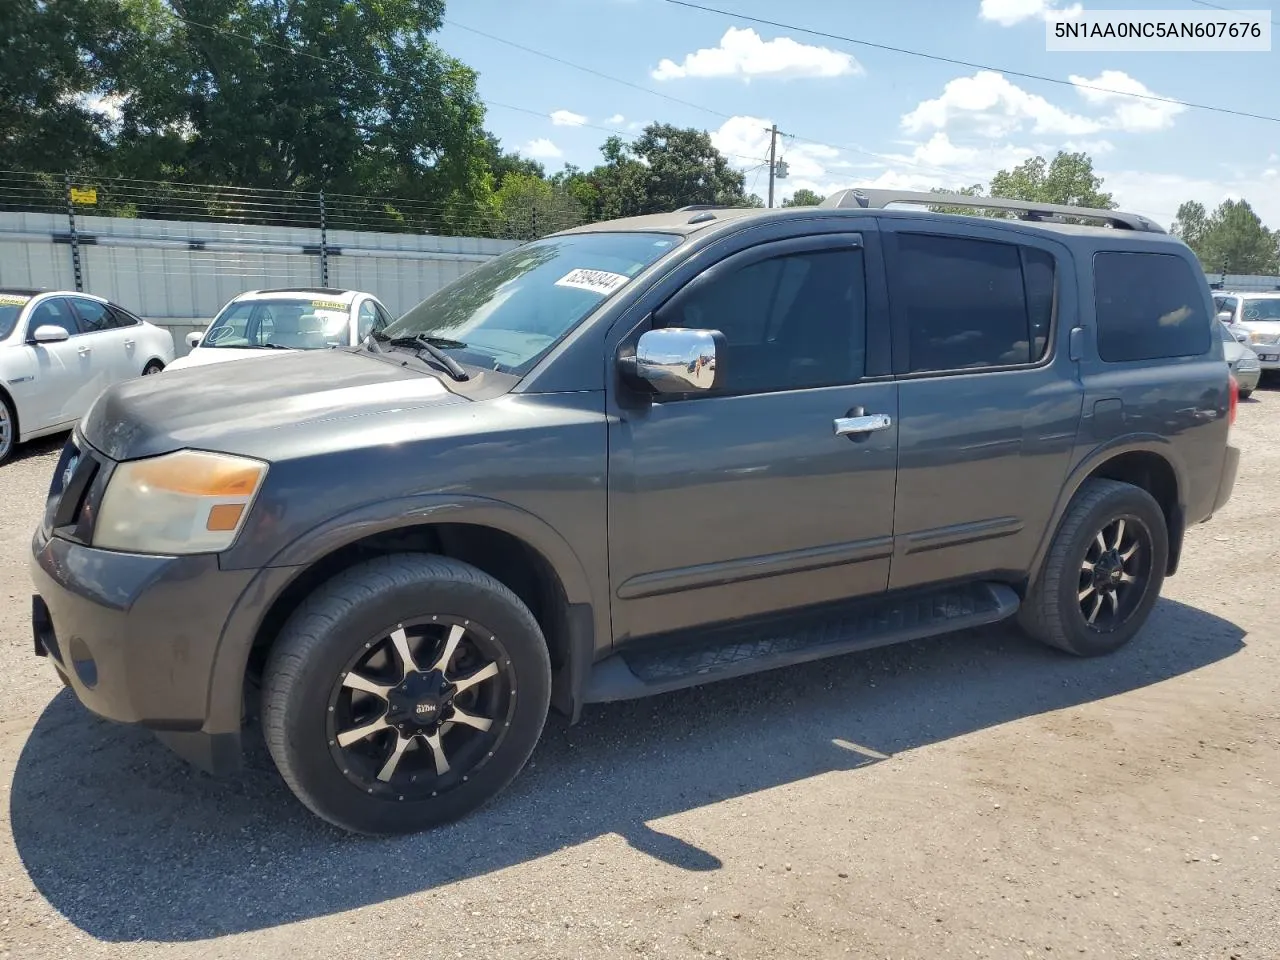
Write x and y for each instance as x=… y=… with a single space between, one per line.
x=152 y=368
x=1246 y=394
x=1103 y=572
x=404 y=693
x=8 y=429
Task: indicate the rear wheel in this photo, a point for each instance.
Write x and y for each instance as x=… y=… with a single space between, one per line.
x=1246 y=394
x=8 y=428
x=404 y=693
x=1103 y=572
x=155 y=366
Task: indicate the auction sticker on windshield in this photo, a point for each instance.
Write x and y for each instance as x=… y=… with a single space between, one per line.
x=597 y=281
x=332 y=305
x=13 y=299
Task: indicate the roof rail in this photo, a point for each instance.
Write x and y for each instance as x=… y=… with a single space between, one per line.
x=702 y=206
x=1030 y=209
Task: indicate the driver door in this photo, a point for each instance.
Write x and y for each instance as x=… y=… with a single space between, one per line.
x=63 y=381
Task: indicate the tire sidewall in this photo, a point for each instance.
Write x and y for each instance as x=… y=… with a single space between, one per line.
x=1131 y=502
x=304 y=707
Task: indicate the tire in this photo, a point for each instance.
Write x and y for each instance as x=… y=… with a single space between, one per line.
x=155 y=366
x=350 y=630
x=8 y=428
x=1246 y=394
x=1054 y=611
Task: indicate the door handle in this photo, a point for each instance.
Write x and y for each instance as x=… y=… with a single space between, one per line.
x=868 y=423
x=83 y=350
x=128 y=343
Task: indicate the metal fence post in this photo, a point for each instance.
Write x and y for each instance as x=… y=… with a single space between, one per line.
x=324 y=245
x=75 y=238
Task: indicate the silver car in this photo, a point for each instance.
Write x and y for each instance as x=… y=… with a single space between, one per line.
x=1257 y=317
x=1242 y=360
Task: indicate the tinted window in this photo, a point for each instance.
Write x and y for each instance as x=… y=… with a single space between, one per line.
x=120 y=318
x=1149 y=306
x=789 y=323
x=969 y=304
x=94 y=316
x=52 y=313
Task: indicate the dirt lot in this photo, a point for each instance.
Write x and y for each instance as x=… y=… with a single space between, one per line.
x=971 y=796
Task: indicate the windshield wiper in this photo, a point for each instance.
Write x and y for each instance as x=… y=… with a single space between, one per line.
x=432 y=346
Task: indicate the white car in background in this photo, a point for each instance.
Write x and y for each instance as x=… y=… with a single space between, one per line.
x=59 y=350
x=297 y=318
x=1254 y=318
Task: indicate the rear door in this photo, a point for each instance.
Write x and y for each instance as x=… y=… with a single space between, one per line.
x=747 y=499
x=989 y=401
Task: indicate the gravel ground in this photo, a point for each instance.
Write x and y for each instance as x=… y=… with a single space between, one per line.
x=970 y=796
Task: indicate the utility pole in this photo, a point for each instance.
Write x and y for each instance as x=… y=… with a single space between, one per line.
x=777 y=168
x=773 y=163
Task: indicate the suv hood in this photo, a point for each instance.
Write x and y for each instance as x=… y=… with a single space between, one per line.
x=263 y=407
x=200 y=358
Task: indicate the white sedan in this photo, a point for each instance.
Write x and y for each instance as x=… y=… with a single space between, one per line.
x=296 y=318
x=59 y=350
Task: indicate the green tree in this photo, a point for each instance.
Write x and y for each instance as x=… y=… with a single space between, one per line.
x=1191 y=224
x=503 y=164
x=1234 y=240
x=664 y=169
x=48 y=76
x=803 y=197
x=1067 y=179
x=976 y=190
x=528 y=207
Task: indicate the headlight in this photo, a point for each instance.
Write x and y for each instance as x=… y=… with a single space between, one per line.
x=1247 y=363
x=184 y=502
x=1256 y=337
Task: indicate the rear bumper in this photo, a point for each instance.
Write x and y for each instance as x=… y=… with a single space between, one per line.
x=1230 y=466
x=1248 y=379
x=136 y=638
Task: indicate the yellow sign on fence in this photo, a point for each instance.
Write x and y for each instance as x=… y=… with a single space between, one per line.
x=86 y=195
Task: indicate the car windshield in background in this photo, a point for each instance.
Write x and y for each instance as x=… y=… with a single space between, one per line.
x=301 y=324
x=1262 y=309
x=511 y=310
x=11 y=305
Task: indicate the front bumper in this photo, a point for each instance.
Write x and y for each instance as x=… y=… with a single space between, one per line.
x=1247 y=380
x=137 y=639
x=1268 y=355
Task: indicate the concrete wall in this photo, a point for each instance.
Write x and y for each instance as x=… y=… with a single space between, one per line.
x=179 y=274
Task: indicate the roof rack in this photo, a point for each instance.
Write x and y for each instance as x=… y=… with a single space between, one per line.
x=702 y=206
x=303 y=290
x=1030 y=209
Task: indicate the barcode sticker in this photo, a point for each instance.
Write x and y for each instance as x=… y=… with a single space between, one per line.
x=597 y=281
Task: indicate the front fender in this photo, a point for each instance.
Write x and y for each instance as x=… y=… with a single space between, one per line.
x=1084 y=468
x=223 y=714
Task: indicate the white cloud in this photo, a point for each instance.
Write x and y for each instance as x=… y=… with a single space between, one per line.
x=542 y=148
x=742 y=53
x=567 y=118
x=992 y=106
x=1009 y=12
x=1131 y=114
x=615 y=120
x=1158 y=195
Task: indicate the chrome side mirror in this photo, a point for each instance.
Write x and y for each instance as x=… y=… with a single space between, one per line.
x=49 y=333
x=678 y=360
x=1224 y=316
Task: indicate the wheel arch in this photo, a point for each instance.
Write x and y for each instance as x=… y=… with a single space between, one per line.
x=510 y=544
x=1149 y=462
x=17 y=414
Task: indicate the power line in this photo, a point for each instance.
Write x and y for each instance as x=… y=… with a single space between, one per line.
x=1205 y=3
x=884 y=158
x=967 y=63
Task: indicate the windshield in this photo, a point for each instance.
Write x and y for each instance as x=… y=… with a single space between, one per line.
x=1262 y=309
x=505 y=314
x=11 y=305
x=299 y=324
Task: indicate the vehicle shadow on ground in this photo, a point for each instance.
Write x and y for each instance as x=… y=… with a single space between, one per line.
x=129 y=843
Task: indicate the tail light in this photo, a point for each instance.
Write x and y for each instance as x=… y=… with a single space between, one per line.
x=1234 y=392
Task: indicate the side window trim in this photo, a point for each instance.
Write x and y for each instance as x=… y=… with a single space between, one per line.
x=901 y=334
x=32 y=323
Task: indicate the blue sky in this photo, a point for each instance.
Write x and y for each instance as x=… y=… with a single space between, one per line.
x=860 y=116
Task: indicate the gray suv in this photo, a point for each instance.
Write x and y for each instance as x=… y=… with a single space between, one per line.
x=633 y=457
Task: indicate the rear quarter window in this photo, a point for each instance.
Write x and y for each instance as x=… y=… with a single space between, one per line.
x=1149 y=307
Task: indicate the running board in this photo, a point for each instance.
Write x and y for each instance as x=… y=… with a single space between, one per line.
x=660 y=664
